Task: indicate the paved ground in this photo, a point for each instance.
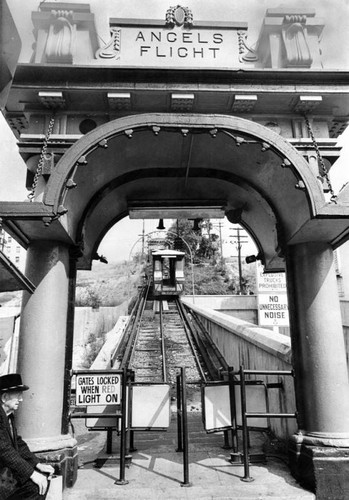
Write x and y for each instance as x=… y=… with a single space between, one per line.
x=156 y=471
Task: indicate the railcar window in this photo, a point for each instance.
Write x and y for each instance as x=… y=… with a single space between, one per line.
x=166 y=268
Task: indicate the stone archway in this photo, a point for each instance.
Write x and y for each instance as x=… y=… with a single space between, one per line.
x=228 y=161
x=248 y=172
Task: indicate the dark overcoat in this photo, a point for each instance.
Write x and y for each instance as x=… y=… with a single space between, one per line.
x=14 y=452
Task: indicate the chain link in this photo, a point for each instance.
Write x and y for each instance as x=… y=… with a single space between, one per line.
x=38 y=172
x=323 y=172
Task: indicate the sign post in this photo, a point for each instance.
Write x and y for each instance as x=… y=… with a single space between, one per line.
x=106 y=388
x=122 y=481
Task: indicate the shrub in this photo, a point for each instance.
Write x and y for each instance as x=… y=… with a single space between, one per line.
x=92 y=348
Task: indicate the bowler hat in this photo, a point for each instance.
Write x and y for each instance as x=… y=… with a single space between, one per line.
x=12 y=382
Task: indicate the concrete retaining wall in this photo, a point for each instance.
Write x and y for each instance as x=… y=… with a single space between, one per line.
x=88 y=320
x=256 y=348
x=113 y=338
x=240 y=306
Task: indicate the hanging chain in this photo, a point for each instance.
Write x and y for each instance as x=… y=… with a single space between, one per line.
x=38 y=172
x=323 y=172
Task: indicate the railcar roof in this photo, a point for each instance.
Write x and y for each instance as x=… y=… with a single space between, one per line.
x=168 y=253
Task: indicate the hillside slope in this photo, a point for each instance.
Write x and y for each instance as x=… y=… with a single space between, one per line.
x=106 y=284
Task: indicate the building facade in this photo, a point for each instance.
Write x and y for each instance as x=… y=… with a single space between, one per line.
x=13 y=250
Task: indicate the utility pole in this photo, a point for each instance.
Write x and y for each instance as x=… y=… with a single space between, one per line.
x=240 y=239
x=221 y=242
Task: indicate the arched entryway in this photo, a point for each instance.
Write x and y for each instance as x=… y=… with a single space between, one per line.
x=224 y=161
x=161 y=161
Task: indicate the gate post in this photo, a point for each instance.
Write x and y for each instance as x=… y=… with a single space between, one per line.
x=42 y=355
x=319 y=452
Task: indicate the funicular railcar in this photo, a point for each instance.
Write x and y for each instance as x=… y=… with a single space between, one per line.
x=168 y=272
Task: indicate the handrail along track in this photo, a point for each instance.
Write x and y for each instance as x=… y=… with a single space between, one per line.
x=123 y=351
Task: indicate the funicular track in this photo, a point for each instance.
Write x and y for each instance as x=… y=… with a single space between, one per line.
x=161 y=338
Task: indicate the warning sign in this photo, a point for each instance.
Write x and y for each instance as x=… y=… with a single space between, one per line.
x=98 y=389
x=270 y=282
x=273 y=309
x=272 y=298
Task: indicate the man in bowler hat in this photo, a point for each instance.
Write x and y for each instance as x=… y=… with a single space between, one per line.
x=22 y=476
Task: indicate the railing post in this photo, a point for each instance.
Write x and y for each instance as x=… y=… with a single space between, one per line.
x=179 y=414
x=185 y=430
x=132 y=447
x=247 y=477
x=226 y=444
x=132 y=443
x=122 y=480
x=109 y=440
x=233 y=409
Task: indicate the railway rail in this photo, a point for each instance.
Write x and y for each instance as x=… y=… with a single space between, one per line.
x=161 y=338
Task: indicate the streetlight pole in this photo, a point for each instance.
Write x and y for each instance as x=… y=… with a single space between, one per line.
x=239 y=259
x=219 y=225
x=143 y=234
x=240 y=239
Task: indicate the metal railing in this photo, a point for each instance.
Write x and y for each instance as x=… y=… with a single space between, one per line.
x=245 y=415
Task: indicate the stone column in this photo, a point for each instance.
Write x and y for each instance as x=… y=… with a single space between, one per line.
x=321 y=376
x=69 y=340
x=42 y=349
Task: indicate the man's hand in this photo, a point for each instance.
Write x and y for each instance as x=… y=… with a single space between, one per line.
x=46 y=468
x=40 y=480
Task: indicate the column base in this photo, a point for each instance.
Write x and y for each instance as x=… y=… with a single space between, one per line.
x=61 y=452
x=321 y=469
